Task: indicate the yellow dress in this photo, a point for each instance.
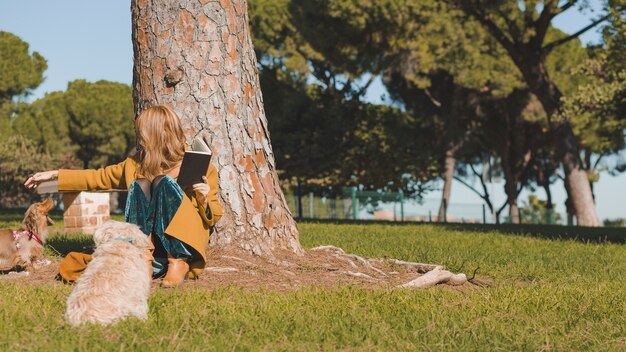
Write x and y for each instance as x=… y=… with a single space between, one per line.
x=190 y=224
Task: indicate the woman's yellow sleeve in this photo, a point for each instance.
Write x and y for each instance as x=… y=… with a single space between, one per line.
x=110 y=177
x=214 y=213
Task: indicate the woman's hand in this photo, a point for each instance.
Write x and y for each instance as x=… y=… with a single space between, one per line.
x=202 y=191
x=34 y=180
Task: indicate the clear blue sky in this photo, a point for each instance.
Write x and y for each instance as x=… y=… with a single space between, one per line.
x=92 y=40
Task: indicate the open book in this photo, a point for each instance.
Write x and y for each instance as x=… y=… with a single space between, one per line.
x=195 y=164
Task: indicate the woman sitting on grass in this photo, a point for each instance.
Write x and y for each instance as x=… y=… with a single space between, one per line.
x=178 y=221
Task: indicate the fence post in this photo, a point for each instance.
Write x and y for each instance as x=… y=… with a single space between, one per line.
x=311 y=205
x=570 y=219
x=354 y=205
x=484 y=215
x=430 y=216
x=519 y=215
x=394 y=212
x=299 y=202
x=401 y=206
x=549 y=216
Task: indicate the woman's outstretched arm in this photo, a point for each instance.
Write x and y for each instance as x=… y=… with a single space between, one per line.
x=110 y=177
x=106 y=178
x=34 y=180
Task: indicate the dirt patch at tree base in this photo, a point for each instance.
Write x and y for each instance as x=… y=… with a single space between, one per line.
x=326 y=267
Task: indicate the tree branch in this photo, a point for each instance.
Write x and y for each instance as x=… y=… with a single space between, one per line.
x=514 y=30
x=595 y=165
x=554 y=44
x=564 y=8
x=432 y=99
x=347 y=87
x=519 y=190
x=363 y=89
x=499 y=211
x=484 y=196
x=542 y=23
x=468 y=186
x=491 y=26
x=487 y=197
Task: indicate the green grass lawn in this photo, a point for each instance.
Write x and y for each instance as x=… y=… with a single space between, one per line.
x=547 y=294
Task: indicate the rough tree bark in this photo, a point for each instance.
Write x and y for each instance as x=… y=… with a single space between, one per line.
x=511 y=196
x=448 y=176
x=197 y=57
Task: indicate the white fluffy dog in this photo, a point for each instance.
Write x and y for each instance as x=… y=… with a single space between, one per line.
x=115 y=284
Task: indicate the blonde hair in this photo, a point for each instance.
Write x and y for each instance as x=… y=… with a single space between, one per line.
x=162 y=141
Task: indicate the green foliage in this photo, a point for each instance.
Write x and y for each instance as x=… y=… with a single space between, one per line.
x=332 y=141
x=5 y=122
x=91 y=122
x=619 y=222
x=615 y=36
x=100 y=121
x=277 y=42
x=558 y=295
x=598 y=107
x=563 y=61
x=321 y=130
x=306 y=126
x=536 y=211
x=20 y=71
x=19 y=157
x=45 y=122
x=360 y=31
x=394 y=144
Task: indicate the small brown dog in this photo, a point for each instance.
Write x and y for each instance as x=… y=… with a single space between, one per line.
x=24 y=246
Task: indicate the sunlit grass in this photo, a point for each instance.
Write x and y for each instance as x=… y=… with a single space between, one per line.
x=561 y=295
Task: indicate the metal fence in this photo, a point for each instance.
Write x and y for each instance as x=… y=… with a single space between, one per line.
x=389 y=206
x=353 y=204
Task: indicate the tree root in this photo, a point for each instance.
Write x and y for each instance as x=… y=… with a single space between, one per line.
x=361 y=275
x=328 y=248
x=431 y=274
x=436 y=276
x=238 y=259
x=221 y=269
x=418 y=267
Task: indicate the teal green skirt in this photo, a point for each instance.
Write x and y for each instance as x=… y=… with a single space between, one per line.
x=154 y=216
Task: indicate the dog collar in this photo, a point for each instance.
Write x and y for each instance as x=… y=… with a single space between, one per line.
x=31 y=235
x=125 y=239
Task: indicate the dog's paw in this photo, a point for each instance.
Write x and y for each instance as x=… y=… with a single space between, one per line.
x=42 y=262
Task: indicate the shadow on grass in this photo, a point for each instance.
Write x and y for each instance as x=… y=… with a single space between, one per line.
x=556 y=232
x=62 y=245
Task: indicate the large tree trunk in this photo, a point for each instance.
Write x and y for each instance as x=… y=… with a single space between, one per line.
x=447 y=185
x=197 y=57
x=449 y=110
x=576 y=179
x=511 y=198
x=512 y=180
